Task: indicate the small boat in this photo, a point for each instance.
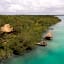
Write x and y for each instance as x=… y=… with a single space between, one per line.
x=42 y=43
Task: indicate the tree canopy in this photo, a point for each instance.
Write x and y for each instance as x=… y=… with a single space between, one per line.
x=27 y=30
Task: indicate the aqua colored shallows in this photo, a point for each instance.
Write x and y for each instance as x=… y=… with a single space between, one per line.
x=52 y=54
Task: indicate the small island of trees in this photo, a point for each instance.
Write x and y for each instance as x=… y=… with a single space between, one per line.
x=27 y=30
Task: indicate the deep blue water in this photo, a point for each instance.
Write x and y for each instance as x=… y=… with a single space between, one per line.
x=51 y=54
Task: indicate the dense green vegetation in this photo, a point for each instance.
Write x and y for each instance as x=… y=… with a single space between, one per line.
x=27 y=31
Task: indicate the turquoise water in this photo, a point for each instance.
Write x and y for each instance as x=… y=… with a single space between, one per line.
x=51 y=54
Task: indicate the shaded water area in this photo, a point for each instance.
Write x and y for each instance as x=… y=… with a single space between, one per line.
x=53 y=53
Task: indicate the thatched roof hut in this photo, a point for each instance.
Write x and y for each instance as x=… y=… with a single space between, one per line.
x=6 y=28
x=48 y=36
x=42 y=43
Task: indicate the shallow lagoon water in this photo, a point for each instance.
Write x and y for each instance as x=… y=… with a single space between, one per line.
x=51 y=54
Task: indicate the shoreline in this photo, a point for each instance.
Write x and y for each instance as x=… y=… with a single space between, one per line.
x=38 y=35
